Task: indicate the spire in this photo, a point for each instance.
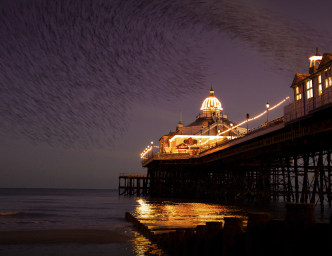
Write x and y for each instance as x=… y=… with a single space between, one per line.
x=211 y=91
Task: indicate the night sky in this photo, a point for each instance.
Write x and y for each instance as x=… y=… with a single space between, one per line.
x=86 y=85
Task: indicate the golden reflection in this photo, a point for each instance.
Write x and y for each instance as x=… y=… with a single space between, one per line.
x=184 y=214
x=143 y=208
x=143 y=246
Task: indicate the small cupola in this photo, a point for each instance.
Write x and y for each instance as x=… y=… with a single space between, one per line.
x=314 y=62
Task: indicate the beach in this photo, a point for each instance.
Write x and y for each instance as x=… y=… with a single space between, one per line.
x=65 y=242
x=84 y=236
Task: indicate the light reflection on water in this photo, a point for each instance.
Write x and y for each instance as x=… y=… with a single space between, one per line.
x=144 y=247
x=186 y=213
x=179 y=213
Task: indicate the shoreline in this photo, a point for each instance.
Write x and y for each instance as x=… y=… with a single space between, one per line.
x=63 y=236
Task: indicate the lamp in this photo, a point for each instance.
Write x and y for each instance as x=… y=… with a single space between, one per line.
x=267 y=112
x=247 y=122
x=151 y=148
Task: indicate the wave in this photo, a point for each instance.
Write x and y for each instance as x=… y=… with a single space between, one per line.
x=23 y=214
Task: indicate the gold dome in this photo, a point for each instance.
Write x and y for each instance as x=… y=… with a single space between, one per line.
x=211 y=103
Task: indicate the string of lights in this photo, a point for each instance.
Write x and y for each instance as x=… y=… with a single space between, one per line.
x=256 y=117
x=147 y=150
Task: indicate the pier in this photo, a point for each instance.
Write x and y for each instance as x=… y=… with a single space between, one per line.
x=288 y=158
x=133 y=184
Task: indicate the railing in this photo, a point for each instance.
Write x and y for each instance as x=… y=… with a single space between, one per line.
x=132 y=175
x=308 y=106
x=269 y=124
x=210 y=114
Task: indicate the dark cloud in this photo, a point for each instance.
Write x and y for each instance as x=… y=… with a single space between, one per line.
x=71 y=70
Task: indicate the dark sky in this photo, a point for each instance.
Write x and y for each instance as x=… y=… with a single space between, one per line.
x=85 y=86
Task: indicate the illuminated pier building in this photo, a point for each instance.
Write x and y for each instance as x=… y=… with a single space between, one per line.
x=203 y=132
x=312 y=91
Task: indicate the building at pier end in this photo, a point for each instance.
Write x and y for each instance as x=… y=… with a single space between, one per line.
x=202 y=133
x=313 y=90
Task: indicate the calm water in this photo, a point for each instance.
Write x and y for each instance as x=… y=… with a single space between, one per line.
x=25 y=209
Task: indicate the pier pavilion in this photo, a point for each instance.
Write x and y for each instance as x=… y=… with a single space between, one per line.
x=201 y=134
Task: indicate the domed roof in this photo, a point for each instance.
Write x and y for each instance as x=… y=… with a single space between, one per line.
x=211 y=103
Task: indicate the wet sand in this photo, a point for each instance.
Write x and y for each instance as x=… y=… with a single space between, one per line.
x=83 y=236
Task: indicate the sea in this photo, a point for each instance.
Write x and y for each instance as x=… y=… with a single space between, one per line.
x=48 y=209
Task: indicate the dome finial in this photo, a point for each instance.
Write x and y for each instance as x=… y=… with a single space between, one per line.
x=211 y=91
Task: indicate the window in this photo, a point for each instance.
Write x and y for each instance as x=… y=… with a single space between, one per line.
x=309 y=89
x=298 y=92
x=320 y=89
x=328 y=80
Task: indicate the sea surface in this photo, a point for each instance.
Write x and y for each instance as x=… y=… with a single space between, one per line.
x=36 y=209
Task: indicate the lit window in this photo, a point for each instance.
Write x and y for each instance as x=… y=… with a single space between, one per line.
x=298 y=92
x=328 y=78
x=320 y=89
x=309 y=89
